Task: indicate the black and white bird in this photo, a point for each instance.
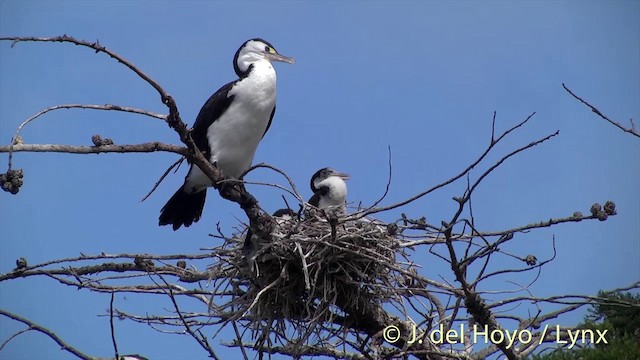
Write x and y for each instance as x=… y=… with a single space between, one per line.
x=228 y=128
x=329 y=188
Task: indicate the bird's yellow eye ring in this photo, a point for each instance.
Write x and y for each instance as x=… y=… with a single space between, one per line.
x=269 y=49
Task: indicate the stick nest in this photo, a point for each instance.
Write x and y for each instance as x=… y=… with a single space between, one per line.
x=308 y=273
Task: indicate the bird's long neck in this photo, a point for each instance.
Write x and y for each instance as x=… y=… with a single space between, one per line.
x=260 y=82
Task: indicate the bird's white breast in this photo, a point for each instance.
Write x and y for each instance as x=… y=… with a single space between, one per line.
x=337 y=194
x=234 y=137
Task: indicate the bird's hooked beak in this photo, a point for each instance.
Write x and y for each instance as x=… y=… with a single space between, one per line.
x=274 y=56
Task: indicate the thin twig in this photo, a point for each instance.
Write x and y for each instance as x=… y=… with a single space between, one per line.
x=505 y=158
x=305 y=267
x=387 y=187
x=631 y=130
x=113 y=331
x=93 y=45
x=106 y=107
x=294 y=189
x=201 y=340
x=239 y=339
x=33 y=326
x=177 y=163
x=4 y=343
x=447 y=182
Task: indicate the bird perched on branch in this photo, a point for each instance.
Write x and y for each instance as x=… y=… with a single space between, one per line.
x=228 y=128
x=329 y=188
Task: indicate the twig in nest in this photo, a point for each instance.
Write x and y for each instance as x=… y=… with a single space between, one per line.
x=305 y=267
x=274 y=283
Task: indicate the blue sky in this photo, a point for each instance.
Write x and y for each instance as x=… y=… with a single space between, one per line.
x=421 y=77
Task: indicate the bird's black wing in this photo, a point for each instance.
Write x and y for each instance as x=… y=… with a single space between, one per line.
x=315 y=199
x=217 y=104
x=249 y=244
x=269 y=124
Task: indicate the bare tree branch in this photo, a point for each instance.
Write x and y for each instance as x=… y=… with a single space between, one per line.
x=175 y=165
x=492 y=144
x=113 y=330
x=49 y=333
x=325 y=284
x=95 y=46
x=14 y=139
x=261 y=224
x=631 y=130
x=200 y=339
x=78 y=149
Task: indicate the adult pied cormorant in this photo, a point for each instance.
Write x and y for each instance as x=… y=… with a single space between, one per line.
x=329 y=188
x=228 y=128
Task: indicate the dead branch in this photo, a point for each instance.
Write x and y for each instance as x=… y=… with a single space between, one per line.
x=196 y=334
x=304 y=351
x=327 y=284
x=78 y=149
x=113 y=330
x=631 y=130
x=475 y=305
x=16 y=137
x=175 y=165
x=260 y=222
x=493 y=142
x=33 y=326
x=142 y=266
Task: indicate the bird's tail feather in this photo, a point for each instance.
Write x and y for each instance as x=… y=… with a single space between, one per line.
x=182 y=209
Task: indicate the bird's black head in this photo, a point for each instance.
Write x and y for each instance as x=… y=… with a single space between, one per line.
x=254 y=50
x=284 y=213
x=324 y=174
